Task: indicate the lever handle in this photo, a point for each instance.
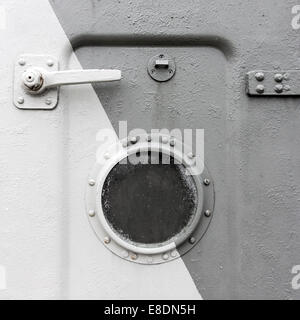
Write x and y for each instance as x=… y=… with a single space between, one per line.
x=36 y=80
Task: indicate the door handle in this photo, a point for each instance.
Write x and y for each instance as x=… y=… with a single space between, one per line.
x=37 y=79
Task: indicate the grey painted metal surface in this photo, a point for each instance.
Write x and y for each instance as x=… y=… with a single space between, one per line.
x=251 y=145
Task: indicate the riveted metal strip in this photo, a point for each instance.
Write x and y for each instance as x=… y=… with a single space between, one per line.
x=273 y=83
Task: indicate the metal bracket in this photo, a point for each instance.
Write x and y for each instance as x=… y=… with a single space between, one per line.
x=22 y=98
x=273 y=83
x=161 y=68
x=37 y=81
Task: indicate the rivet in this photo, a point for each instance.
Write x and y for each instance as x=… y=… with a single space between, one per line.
x=106 y=240
x=133 y=256
x=48 y=101
x=22 y=62
x=50 y=63
x=148 y=138
x=287 y=87
x=207 y=213
x=92 y=182
x=165 y=256
x=278 y=88
x=172 y=143
x=125 y=254
x=20 y=100
x=259 y=76
x=190 y=155
x=133 y=140
x=173 y=253
x=206 y=182
x=106 y=156
x=192 y=240
x=164 y=140
x=92 y=213
x=260 y=88
x=278 y=77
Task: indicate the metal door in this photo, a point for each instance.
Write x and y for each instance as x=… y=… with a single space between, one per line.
x=48 y=247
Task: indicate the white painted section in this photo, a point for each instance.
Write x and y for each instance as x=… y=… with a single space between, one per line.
x=46 y=242
x=2 y=18
x=2 y=278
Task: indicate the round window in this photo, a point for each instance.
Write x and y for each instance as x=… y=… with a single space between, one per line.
x=144 y=202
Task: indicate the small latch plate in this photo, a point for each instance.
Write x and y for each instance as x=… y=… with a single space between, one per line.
x=161 y=68
x=22 y=98
x=273 y=83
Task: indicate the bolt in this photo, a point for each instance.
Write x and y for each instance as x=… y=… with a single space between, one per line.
x=206 y=182
x=173 y=253
x=106 y=156
x=170 y=71
x=92 y=182
x=172 y=143
x=48 y=102
x=192 y=240
x=20 y=100
x=148 y=138
x=50 y=63
x=207 y=213
x=278 y=88
x=278 y=77
x=133 y=256
x=92 y=213
x=259 y=76
x=190 y=155
x=165 y=256
x=260 y=88
x=106 y=240
x=22 y=62
x=133 y=140
x=164 y=140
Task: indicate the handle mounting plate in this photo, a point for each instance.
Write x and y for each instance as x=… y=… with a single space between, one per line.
x=21 y=97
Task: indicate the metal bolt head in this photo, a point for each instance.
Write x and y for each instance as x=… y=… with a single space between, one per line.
x=278 y=88
x=92 y=213
x=172 y=143
x=20 y=100
x=48 y=101
x=22 y=62
x=259 y=76
x=106 y=240
x=133 y=256
x=125 y=254
x=207 y=213
x=190 y=155
x=149 y=138
x=92 y=182
x=50 y=63
x=165 y=256
x=192 y=240
x=278 y=77
x=106 y=156
x=260 y=88
x=173 y=253
x=164 y=140
x=206 y=182
x=133 y=140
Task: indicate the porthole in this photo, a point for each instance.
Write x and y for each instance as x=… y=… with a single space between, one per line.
x=144 y=202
